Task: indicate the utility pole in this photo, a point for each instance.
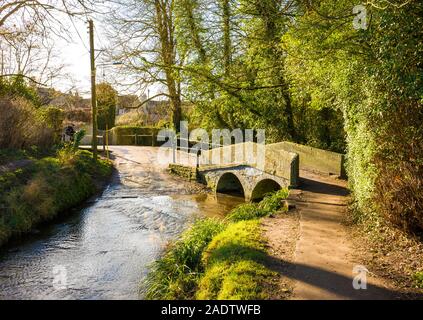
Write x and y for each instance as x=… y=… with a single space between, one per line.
x=2 y=62
x=93 y=90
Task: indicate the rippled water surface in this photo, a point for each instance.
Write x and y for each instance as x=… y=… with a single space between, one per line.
x=103 y=250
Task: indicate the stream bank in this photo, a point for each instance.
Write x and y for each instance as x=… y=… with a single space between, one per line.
x=104 y=249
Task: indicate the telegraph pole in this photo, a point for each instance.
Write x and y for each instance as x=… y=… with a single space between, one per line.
x=93 y=90
x=2 y=62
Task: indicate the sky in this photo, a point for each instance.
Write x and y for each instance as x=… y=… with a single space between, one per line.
x=75 y=56
x=68 y=37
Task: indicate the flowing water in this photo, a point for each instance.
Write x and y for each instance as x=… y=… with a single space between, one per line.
x=103 y=250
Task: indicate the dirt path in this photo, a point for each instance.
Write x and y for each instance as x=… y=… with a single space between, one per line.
x=321 y=266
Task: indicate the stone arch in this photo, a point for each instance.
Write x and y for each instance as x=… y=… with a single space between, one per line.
x=262 y=187
x=230 y=183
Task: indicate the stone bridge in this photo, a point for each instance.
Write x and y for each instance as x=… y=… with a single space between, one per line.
x=249 y=170
x=252 y=170
x=242 y=180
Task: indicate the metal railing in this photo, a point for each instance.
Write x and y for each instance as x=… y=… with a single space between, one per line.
x=103 y=140
x=136 y=136
x=200 y=147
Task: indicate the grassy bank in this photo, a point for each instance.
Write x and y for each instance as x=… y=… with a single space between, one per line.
x=46 y=187
x=218 y=259
x=10 y=155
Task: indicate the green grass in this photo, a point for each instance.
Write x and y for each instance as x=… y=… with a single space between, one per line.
x=418 y=279
x=234 y=266
x=218 y=260
x=241 y=280
x=46 y=187
x=241 y=240
x=269 y=205
x=9 y=155
x=176 y=274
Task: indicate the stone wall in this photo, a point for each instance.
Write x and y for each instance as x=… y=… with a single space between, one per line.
x=313 y=158
x=186 y=172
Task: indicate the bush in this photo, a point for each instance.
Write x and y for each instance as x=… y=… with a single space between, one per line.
x=273 y=201
x=398 y=195
x=107 y=99
x=53 y=117
x=21 y=125
x=245 y=211
x=78 y=115
x=132 y=118
x=269 y=205
x=16 y=87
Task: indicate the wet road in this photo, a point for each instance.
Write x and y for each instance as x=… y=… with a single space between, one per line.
x=103 y=250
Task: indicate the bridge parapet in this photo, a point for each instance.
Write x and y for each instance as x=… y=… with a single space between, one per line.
x=277 y=162
x=314 y=159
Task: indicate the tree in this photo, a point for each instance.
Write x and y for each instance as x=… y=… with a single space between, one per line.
x=374 y=76
x=39 y=10
x=106 y=103
x=31 y=54
x=26 y=28
x=237 y=78
x=144 y=33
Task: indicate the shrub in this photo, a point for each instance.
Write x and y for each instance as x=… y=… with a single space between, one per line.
x=132 y=118
x=106 y=102
x=16 y=87
x=398 y=195
x=271 y=203
x=53 y=118
x=21 y=125
x=245 y=211
x=81 y=115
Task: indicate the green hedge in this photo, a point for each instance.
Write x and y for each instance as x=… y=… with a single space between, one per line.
x=124 y=135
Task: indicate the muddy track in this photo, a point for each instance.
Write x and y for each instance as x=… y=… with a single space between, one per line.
x=324 y=259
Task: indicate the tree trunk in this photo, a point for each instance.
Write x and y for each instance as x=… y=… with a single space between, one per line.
x=227 y=52
x=168 y=55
